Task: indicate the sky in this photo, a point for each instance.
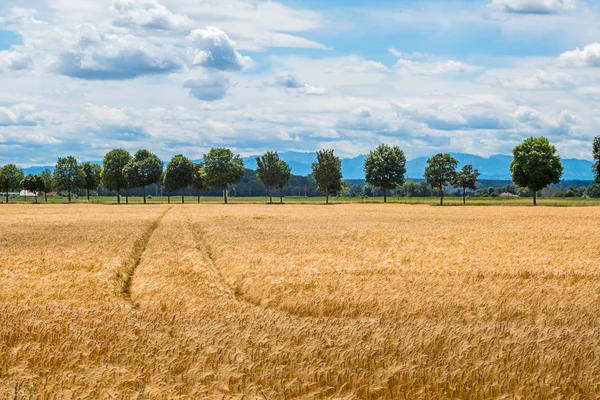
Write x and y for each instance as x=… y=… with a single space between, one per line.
x=181 y=76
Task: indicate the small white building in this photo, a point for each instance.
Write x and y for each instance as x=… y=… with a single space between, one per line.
x=27 y=193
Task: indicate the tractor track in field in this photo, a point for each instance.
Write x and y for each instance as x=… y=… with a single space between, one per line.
x=126 y=270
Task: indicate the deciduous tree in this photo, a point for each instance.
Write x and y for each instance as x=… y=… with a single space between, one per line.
x=284 y=174
x=267 y=168
x=440 y=171
x=33 y=183
x=10 y=178
x=67 y=175
x=179 y=174
x=49 y=184
x=466 y=178
x=596 y=155
x=222 y=168
x=145 y=168
x=92 y=175
x=112 y=174
x=198 y=180
x=536 y=165
x=327 y=172
x=385 y=168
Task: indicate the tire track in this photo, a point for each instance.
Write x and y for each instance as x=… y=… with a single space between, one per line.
x=126 y=270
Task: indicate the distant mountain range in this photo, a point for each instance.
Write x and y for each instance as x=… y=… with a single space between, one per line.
x=496 y=167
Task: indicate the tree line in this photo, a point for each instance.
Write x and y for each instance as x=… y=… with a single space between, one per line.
x=535 y=166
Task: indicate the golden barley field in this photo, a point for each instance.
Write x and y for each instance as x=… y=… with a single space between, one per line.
x=281 y=302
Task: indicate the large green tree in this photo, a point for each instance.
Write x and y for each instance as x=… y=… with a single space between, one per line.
x=145 y=168
x=112 y=173
x=466 y=178
x=179 y=174
x=49 y=184
x=267 y=170
x=535 y=165
x=385 y=168
x=33 y=183
x=198 y=180
x=440 y=171
x=92 y=175
x=10 y=178
x=222 y=168
x=284 y=174
x=327 y=172
x=67 y=175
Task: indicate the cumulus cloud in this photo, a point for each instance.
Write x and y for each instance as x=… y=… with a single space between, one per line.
x=212 y=48
x=212 y=87
x=19 y=115
x=405 y=64
x=14 y=61
x=362 y=119
x=535 y=6
x=291 y=82
x=540 y=79
x=589 y=56
x=149 y=14
x=107 y=56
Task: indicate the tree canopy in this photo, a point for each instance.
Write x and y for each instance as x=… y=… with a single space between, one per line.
x=440 y=171
x=273 y=172
x=92 y=175
x=67 y=175
x=33 y=183
x=385 y=168
x=112 y=173
x=536 y=165
x=222 y=168
x=596 y=155
x=284 y=174
x=198 y=180
x=179 y=174
x=145 y=168
x=327 y=172
x=466 y=178
x=10 y=178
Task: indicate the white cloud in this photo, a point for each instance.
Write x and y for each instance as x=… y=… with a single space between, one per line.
x=535 y=6
x=290 y=82
x=212 y=87
x=539 y=79
x=149 y=14
x=18 y=115
x=589 y=56
x=212 y=48
x=434 y=68
x=14 y=60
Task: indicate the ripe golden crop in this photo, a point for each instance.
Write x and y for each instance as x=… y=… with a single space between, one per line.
x=256 y=301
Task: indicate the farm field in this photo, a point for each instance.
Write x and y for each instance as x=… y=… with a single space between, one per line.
x=254 y=301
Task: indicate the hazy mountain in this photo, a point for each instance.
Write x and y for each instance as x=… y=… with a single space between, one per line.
x=494 y=167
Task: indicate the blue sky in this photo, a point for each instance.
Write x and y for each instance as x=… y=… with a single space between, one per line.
x=181 y=76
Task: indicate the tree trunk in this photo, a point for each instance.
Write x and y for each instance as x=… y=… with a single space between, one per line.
x=182 y=196
x=464 y=196
x=88 y=194
x=225 y=195
x=118 y=196
x=327 y=196
x=198 y=197
x=144 y=193
x=69 y=195
x=35 y=197
x=6 y=196
x=441 y=196
x=126 y=196
x=270 y=195
x=534 y=198
x=384 y=195
x=280 y=195
x=46 y=196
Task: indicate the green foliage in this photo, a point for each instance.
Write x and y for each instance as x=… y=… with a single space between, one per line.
x=145 y=168
x=267 y=168
x=596 y=155
x=179 y=173
x=222 y=168
x=112 y=173
x=440 y=171
x=92 y=175
x=10 y=178
x=67 y=175
x=593 y=190
x=198 y=178
x=385 y=168
x=48 y=179
x=466 y=178
x=327 y=172
x=536 y=165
